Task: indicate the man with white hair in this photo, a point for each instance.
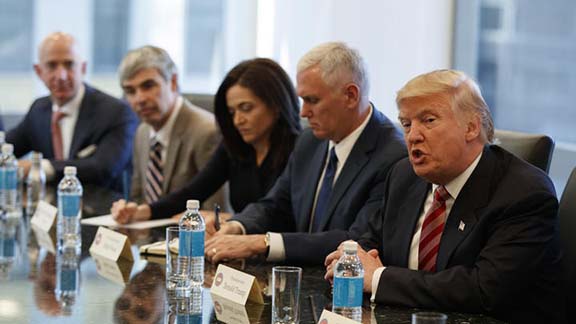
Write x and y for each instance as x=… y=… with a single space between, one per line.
x=464 y=226
x=336 y=171
x=76 y=125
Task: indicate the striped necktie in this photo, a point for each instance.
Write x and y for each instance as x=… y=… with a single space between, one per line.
x=154 y=176
x=432 y=229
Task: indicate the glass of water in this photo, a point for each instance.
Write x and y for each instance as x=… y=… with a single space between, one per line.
x=286 y=294
x=177 y=266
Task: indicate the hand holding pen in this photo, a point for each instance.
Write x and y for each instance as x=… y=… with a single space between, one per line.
x=217 y=217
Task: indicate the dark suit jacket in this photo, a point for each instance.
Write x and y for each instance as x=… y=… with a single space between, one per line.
x=504 y=262
x=357 y=191
x=104 y=123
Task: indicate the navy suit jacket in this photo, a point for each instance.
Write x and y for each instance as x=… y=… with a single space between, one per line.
x=104 y=123
x=499 y=252
x=357 y=191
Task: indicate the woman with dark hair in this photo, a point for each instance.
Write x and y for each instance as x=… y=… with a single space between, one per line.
x=257 y=109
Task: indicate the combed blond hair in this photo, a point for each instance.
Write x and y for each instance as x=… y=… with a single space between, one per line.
x=463 y=92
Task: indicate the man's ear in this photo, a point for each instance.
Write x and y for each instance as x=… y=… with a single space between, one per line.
x=352 y=93
x=174 y=82
x=473 y=128
x=38 y=70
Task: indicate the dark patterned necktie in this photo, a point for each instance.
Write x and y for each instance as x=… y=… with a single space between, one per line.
x=154 y=175
x=325 y=191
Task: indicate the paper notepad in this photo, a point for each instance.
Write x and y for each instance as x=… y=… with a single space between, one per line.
x=159 y=248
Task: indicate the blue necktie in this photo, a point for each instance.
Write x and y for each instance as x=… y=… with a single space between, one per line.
x=325 y=191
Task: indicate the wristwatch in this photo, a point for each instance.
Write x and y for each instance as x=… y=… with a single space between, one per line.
x=267 y=242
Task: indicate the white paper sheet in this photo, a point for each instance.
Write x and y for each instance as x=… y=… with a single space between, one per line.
x=108 y=221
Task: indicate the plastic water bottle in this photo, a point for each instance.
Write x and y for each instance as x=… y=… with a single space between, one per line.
x=67 y=280
x=348 y=283
x=69 y=211
x=35 y=184
x=7 y=248
x=9 y=179
x=191 y=246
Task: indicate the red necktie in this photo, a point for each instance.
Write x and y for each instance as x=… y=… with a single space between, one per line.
x=57 y=134
x=432 y=231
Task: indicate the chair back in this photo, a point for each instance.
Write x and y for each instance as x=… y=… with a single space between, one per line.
x=567 y=216
x=535 y=149
x=202 y=100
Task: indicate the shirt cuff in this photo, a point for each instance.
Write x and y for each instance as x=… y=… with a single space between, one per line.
x=375 y=281
x=241 y=226
x=48 y=169
x=277 y=252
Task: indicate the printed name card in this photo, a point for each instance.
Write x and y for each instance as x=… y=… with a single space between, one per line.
x=45 y=239
x=236 y=286
x=44 y=216
x=328 y=317
x=111 y=245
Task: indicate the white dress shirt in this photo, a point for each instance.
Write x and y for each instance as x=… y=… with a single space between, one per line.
x=67 y=125
x=453 y=187
x=164 y=133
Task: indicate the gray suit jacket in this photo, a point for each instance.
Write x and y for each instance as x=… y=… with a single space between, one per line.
x=193 y=139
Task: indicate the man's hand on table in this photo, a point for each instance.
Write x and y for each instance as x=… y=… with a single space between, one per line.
x=226 y=244
x=370 y=262
x=127 y=212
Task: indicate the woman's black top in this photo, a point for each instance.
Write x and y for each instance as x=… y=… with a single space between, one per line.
x=248 y=182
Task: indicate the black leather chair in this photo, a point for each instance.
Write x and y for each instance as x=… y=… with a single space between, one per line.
x=535 y=149
x=567 y=216
x=201 y=100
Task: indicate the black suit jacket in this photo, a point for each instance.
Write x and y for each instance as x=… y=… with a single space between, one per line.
x=504 y=262
x=357 y=191
x=104 y=123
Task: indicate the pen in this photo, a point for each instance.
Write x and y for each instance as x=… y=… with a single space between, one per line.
x=217 y=217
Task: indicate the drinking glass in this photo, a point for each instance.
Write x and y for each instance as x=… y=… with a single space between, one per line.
x=286 y=294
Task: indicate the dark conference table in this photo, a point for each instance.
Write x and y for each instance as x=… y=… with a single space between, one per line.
x=134 y=292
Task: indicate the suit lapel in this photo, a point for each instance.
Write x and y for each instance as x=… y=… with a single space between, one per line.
x=45 y=129
x=405 y=224
x=358 y=158
x=84 y=123
x=316 y=168
x=173 y=149
x=463 y=216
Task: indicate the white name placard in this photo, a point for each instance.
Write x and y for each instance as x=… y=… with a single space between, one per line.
x=44 y=216
x=236 y=286
x=45 y=239
x=328 y=317
x=111 y=245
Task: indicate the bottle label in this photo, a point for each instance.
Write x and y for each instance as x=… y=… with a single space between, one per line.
x=70 y=205
x=8 y=179
x=348 y=291
x=191 y=243
x=68 y=280
x=8 y=247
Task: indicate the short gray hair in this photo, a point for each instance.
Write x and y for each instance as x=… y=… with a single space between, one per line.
x=337 y=62
x=146 y=57
x=463 y=92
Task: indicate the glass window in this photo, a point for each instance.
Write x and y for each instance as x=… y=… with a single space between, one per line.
x=16 y=46
x=111 y=21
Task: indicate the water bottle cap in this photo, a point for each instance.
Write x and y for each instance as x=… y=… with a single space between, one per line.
x=7 y=148
x=192 y=204
x=70 y=170
x=350 y=246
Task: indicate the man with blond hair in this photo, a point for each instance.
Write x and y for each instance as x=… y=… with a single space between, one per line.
x=464 y=226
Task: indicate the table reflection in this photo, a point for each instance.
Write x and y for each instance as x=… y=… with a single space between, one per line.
x=39 y=285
